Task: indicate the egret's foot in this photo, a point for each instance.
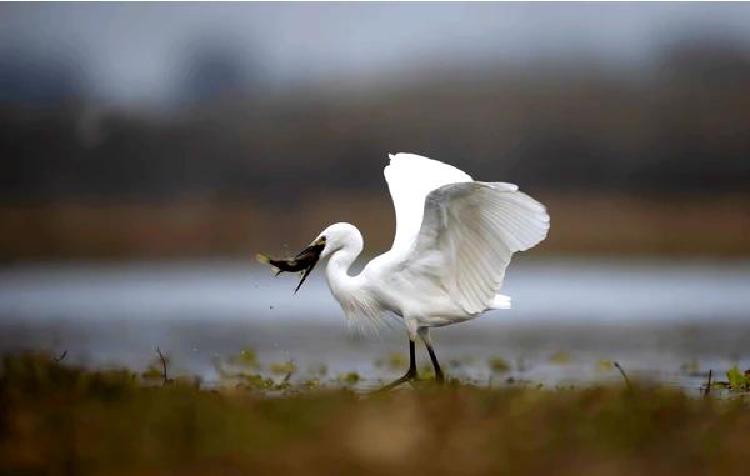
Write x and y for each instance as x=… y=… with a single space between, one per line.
x=407 y=377
x=440 y=378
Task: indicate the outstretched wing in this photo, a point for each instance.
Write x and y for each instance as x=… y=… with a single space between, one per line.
x=467 y=236
x=410 y=179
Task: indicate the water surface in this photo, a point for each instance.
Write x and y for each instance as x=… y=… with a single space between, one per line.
x=664 y=320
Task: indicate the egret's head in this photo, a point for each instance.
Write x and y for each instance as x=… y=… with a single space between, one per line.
x=339 y=236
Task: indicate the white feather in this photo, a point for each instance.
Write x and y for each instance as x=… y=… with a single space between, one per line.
x=474 y=228
x=410 y=178
x=454 y=239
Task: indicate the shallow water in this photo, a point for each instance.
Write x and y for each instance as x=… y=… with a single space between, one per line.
x=668 y=321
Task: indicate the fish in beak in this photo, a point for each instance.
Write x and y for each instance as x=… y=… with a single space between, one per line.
x=304 y=261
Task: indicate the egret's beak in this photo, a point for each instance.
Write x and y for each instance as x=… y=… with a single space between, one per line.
x=304 y=262
x=310 y=255
x=321 y=241
x=309 y=258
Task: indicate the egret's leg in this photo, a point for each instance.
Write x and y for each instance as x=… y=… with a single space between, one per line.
x=410 y=374
x=424 y=333
x=439 y=376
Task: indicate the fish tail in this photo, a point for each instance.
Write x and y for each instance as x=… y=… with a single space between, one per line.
x=265 y=259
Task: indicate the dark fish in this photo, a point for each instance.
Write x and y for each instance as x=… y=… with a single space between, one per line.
x=304 y=262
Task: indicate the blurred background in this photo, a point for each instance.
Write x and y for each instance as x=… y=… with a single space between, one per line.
x=150 y=150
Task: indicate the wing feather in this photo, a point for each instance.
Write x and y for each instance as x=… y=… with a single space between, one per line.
x=410 y=179
x=475 y=227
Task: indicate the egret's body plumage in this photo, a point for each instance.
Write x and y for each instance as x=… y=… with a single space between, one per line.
x=454 y=239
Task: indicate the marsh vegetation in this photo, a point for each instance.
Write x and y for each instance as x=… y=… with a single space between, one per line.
x=58 y=418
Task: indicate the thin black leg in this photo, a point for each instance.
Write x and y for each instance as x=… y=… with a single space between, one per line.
x=410 y=374
x=439 y=377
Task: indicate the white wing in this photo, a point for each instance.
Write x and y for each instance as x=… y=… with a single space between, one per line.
x=410 y=178
x=467 y=236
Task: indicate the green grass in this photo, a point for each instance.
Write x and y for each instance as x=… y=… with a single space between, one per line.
x=58 y=419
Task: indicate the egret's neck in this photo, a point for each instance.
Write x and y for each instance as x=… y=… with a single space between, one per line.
x=337 y=271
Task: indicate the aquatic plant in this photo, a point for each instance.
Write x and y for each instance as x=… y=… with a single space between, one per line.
x=61 y=419
x=498 y=365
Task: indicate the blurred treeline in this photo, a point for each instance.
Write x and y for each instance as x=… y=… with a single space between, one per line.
x=656 y=161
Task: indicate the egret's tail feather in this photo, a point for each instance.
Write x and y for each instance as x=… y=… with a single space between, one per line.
x=501 y=301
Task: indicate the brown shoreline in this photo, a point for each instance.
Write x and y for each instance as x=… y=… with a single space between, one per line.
x=581 y=225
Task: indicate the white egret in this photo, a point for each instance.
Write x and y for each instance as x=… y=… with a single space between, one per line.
x=454 y=239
